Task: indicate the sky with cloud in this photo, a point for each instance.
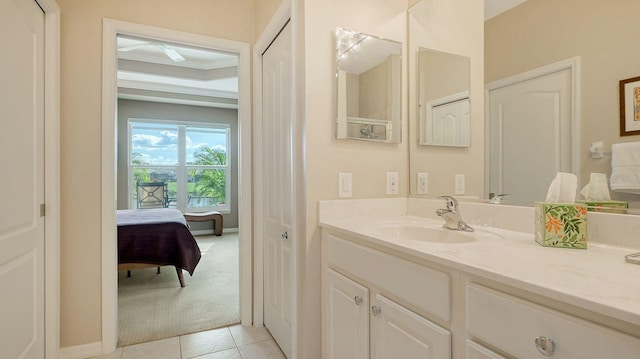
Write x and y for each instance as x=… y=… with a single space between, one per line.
x=158 y=145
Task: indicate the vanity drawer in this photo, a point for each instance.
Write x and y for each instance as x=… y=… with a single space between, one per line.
x=513 y=324
x=422 y=287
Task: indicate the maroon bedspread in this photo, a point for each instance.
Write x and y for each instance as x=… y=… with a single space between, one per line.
x=155 y=241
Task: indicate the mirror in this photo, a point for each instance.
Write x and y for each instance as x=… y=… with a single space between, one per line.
x=369 y=80
x=567 y=32
x=445 y=57
x=443 y=99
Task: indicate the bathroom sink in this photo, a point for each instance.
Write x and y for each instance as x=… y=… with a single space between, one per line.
x=436 y=234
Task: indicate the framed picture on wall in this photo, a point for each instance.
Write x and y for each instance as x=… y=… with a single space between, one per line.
x=630 y=106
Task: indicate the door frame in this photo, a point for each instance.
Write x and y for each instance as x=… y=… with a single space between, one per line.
x=112 y=28
x=573 y=65
x=52 y=176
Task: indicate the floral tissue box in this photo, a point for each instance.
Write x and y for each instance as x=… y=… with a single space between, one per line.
x=561 y=225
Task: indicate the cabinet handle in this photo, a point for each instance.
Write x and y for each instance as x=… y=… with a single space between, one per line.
x=357 y=299
x=376 y=310
x=545 y=345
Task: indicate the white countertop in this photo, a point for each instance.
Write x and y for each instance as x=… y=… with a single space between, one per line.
x=596 y=279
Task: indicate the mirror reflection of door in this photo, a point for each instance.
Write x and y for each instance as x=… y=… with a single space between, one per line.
x=529 y=135
x=443 y=94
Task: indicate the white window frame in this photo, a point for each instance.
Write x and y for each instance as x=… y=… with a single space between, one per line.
x=182 y=167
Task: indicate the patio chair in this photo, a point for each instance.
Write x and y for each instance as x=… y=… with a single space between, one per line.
x=152 y=195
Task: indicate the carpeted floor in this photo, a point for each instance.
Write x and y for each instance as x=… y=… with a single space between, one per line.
x=153 y=306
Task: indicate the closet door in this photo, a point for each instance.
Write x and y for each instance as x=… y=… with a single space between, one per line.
x=22 y=167
x=277 y=176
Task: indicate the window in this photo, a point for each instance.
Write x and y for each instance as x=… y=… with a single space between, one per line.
x=191 y=158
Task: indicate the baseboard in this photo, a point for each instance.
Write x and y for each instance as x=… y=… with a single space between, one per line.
x=81 y=351
x=202 y=232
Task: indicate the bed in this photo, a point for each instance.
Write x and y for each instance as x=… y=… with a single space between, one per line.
x=156 y=237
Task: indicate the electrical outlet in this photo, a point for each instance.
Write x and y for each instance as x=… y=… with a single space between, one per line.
x=423 y=183
x=392 y=183
x=459 y=185
x=345 y=185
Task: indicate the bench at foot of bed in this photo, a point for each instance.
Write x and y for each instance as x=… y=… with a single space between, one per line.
x=216 y=217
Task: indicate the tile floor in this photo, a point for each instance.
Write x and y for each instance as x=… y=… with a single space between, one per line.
x=235 y=342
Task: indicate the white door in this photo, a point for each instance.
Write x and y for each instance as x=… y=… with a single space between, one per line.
x=529 y=135
x=451 y=124
x=347 y=311
x=22 y=168
x=399 y=333
x=277 y=177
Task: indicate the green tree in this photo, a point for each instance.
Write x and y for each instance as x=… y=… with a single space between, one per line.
x=140 y=174
x=210 y=182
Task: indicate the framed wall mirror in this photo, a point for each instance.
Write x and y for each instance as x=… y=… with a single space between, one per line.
x=443 y=98
x=368 y=80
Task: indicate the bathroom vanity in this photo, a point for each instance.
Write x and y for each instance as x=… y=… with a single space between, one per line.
x=395 y=284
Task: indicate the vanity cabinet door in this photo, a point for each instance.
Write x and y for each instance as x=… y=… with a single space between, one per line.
x=347 y=329
x=400 y=333
x=477 y=351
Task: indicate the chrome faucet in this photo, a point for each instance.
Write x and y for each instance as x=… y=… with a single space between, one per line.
x=451 y=215
x=497 y=198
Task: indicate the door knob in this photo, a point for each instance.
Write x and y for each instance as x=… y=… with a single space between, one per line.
x=546 y=346
x=376 y=310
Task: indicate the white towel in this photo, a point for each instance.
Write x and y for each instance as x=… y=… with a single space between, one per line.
x=625 y=167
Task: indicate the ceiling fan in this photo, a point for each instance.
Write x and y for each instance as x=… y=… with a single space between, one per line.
x=169 y=51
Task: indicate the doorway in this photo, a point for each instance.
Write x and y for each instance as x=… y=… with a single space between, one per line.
x=112 y=29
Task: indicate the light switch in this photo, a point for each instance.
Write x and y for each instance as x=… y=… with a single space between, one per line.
x=423 y=183
x=392 y=183
x=459 y=185
x=344 y=185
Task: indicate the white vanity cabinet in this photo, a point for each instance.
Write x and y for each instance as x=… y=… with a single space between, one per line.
x=360 y=321
x=384 y=303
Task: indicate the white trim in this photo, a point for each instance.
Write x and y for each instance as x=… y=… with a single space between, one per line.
x=572 y=64
x=81 y=351
x=52 y=176
x=111 y=28
x=179 y=101
x=299 y=167
x=277 y=22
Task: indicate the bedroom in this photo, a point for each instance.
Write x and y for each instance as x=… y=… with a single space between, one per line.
x=178 y=127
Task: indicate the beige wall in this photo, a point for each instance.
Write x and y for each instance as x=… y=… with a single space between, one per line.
x=264 y=10
x=602 y=33
x=373 y=90
x=326 y=156
x=81 y=71
x=441 y=75
x=453 y=26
